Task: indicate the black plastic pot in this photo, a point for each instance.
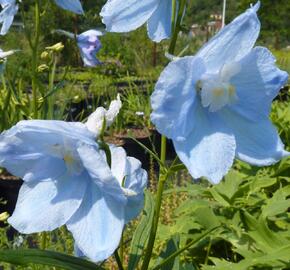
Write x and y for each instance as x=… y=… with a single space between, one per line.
x=9 y=190
x=152 y=141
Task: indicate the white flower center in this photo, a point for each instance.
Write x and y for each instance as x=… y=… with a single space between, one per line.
x=215 y=90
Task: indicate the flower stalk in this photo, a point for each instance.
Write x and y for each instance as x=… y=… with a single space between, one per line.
x=163 y=176
x=34 y=47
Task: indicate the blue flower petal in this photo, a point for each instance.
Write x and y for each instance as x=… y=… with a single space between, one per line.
x=74 y=6
x=29 y=148
x=258 y=143
x=98 y=224
x=10 y=9
x=173 y=101
x=257 y=84
x=135 y=181
x=45 y=206
x=233 y=42
x=74 y=130
x=100 y=173
x=132 y=178
x=125 y=16
x=209 y=150
x=119 y=166
x=159 y=24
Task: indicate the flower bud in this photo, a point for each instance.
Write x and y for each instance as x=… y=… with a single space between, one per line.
x=44 y=55
x=4 y=216
x=56 y=47
x=42 y=68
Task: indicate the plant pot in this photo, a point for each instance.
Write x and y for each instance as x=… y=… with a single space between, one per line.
x=149 y=138
x=9 y=189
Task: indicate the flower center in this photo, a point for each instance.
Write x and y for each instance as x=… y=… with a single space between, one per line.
x=216 y=90
x=69 y=156
x=72 y=162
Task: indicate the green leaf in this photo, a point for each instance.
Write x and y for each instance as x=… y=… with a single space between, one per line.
x=207 y=218
x=142 y=232
x=50 y=258
x=259 y=231
x=219 y=197
x=276 y=258
x=259 y=183
x=228 y=187
x=171 y=247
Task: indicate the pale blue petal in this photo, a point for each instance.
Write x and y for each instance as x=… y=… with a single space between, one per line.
x=33 y=150
x=159 y=24
x=258 y=143
x=209 y=150
x=78 y=252
x=135 y=181
x=173 y=100
x=74 y=6
x=98 y=224
x=45 y=206
x=10 y=8
x=74 y=130
x=125 y=16
x=128 y=171
x=233 y=42
x=96 y=164
x=257 y=84
x=26 y=155
x=119 y=163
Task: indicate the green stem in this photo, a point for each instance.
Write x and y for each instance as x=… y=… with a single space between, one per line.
x=207 y=253
x=175 y=254
x=162 y=176
x=118 y=260
x=177 y=25
x=50 y=88
x=35 y=59
x=6 y=102
x=122 y=248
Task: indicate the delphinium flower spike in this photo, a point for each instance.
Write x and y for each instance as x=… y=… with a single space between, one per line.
x=215 y=105
x=67 y=181
x=125 y=16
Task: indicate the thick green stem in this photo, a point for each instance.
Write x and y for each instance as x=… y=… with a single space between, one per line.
x=177 y=25
x=163 y=176
x=34 y=48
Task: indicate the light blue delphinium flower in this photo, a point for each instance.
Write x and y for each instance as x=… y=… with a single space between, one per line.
x=125 y=16
x=9 y=9
x=67 y=181
x=88 y=43
x=215 y=105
